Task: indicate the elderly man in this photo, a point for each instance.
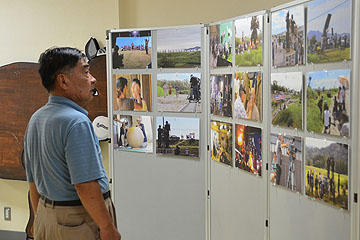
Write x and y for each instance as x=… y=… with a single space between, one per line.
x=69 y=188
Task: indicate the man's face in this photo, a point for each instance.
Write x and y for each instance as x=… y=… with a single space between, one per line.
x=80 y=83
x=135 y=89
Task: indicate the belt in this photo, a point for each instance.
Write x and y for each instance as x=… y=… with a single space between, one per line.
x=69 y=203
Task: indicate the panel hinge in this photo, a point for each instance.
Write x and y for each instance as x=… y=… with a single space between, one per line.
x=355 y=197
x=110 y=180
x=208 y=193
x=208 y=147
x=267 y=166
x=268 y=19
x=266 y=223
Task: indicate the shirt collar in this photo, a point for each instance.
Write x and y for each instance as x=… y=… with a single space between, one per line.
x=68 y=102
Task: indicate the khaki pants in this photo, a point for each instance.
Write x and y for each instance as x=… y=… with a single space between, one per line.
x=67 y=223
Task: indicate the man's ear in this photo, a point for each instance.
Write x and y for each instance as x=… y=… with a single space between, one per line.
x=62 y=81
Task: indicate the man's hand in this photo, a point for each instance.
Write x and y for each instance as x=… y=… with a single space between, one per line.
x=109 y=233
x=93 y=201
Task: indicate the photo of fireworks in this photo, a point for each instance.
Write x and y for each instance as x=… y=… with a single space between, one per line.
x=248 y=153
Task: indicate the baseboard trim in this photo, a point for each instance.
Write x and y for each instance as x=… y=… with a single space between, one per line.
x=12 y=235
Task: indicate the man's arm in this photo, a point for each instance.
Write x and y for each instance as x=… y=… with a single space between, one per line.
x=34 y=196
x=93 y=201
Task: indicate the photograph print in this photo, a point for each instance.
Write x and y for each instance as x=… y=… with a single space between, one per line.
x=286 y=161
x=178 y=136
x=221 y=45
x=133 y=133
x=286 y=99
x=326 y=171
x=328 y=102
x=221 y=95
x=179 y=92
x=221 y=142
x=131 y=50
x=132 y=92
x=179 y=48
x=248 y=153
x=288 y=43
x=249 y=41
x=329 y=31
x=248 y=95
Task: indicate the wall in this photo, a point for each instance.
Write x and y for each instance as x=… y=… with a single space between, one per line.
x=140 y=13
x=28 y=28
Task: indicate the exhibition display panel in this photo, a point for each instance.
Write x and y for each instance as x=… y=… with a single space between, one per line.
x=242 y=128
x=311 y=140
x=159 y=131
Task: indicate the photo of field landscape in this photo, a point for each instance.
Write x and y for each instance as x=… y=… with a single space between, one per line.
x=286 y=99
x=179 y=48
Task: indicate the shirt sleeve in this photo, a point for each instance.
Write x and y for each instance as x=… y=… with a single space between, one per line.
x=83 y=154
x=29 y=176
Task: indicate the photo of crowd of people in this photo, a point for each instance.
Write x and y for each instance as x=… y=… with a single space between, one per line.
x=221 y=45
x=249 y=41
x=179 y=92
x=286 y=99
x=326 y=171
x=221 y=95
x=248 y=95
x=288 y=37
x=133 y=133
x=248 y=152
x=328 y=102
x=329 y=31
x=179 y=48
x=221 y=142
x=131 y=50
x=178 y=136
x=286 y=161
x=132 y=92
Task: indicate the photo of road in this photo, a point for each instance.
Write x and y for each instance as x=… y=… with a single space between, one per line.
x=179 y=92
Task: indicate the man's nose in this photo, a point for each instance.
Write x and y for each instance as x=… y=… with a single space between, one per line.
x=93 y=80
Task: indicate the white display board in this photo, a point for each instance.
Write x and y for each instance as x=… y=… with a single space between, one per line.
x=239 y=197
x=262 y=78
x=159 y=196
x=305 y=213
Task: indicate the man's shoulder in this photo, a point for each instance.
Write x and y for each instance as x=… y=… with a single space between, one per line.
x=60 y=114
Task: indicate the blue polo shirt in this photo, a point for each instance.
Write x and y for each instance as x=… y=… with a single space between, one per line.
x=61 y=149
